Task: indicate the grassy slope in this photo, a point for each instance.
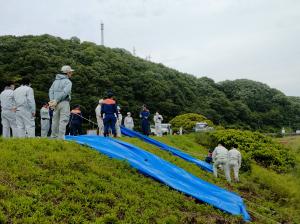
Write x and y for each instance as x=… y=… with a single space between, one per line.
x=50 y=181
x=268 y=195
x=47 y=181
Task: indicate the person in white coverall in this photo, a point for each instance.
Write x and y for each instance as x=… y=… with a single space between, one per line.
x=220 y=157
x=157 y=120
x=60 y=96
x=99 y=118
x=119 y=122
x=8 y=111
x=128 y=121
x=25 y=109
x=45 y=120
x=235 y=162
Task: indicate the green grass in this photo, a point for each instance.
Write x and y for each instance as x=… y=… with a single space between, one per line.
x=270 y=197
x=47 y=181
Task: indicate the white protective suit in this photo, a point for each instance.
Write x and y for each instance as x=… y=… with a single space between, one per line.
x=8 y=114
x=157 y=120
x=25 y=114
x=45 y=121
x=99 y=120
x=235 y=162
x=220 y=157
x=128 y=122
x=60 y=91
x=118 y=124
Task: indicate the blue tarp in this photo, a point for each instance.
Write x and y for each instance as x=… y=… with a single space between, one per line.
x=204 y=165
x=166 y=173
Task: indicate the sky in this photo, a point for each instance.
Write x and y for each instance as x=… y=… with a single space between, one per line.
x=220 y=39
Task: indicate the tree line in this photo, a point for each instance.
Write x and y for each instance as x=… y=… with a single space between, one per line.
x=240 y=103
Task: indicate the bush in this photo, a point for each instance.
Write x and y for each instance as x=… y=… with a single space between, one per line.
x=206 y=139
x=188 y=121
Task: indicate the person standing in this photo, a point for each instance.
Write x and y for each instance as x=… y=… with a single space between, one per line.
x=76 y=121
x=220 y=158
x=8 y=111
x=45 y=120
x=144 y=115
x=25 y=109
x=128 y=121
x=119 y=122
x=109 y=115
x=60 y=96
x=157 y=121
x=235 y=162
x=99 y=118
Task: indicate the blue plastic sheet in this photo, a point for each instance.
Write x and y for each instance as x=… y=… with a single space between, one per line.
x=204 y=165
x=166 y=173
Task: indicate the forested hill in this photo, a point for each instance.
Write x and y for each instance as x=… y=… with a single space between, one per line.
x=239 y=103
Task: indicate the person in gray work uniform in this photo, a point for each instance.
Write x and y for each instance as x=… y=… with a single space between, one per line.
x=25 y=109
x=8 y=111
x=45 y=120
x=60 y=96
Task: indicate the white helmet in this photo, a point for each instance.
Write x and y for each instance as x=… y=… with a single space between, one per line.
x=101 y=101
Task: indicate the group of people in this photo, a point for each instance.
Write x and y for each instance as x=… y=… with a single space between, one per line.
x=18 y=107
x=226 y=160
x=18 y=111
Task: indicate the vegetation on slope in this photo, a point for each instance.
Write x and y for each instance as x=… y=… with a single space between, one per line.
x=48 y=181
x=241 y=103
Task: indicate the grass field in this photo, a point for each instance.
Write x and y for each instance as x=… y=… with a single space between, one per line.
x=47 y=181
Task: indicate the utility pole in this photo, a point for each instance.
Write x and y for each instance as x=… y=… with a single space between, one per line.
x=133 y=51
x=102 y=33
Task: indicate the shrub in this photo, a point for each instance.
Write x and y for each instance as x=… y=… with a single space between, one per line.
x=188 y=121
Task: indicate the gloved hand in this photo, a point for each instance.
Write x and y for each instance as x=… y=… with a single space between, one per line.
x=52 y=104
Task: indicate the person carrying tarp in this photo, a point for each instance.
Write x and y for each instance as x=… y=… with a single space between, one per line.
x=99 y=118
x=109 y=114
x=8 y=111
x=76 y=121
x=60 y=96
x=25 y=109
x=144 y=115
x=220 y=158
x=157 y=121
x=45 y=120
x=128 y=121
x=235 y=162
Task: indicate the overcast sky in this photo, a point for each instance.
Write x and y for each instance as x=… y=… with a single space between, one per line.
x=220 y=39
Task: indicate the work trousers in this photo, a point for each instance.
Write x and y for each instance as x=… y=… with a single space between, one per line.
x=234 y=164
x=100 y=126
x=109 y=123
x=60 y=119
x=45 y=126
x=25 y=123
x=75 y=129
x=145 y=126
x=224 y=163
x=8 y=121
x=158 y=130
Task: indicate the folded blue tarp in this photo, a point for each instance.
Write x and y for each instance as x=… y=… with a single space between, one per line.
x=204 y=165
x=166 y=173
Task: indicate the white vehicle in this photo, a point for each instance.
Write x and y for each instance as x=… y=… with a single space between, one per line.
x=202 y=126
x=165 y=129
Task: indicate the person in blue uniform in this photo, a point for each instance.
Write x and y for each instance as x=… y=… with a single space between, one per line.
x=76 y=121
x=144 y=115
x=109 y=114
